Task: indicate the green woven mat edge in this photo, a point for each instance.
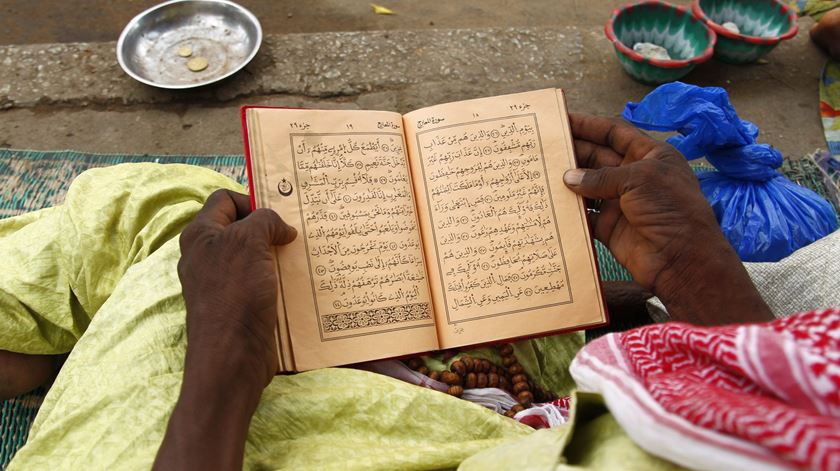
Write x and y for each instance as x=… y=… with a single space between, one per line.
x=16 y=417
x=75 y=155
x=18 y=414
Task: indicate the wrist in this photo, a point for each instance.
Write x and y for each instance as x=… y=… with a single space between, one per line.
x=710 y=288
x=230 y=350
x=218 y=368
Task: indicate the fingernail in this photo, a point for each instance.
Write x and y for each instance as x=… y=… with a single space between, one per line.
x=573 y=177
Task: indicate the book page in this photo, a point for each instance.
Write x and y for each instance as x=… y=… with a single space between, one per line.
x=354 y=284
x=507 y=244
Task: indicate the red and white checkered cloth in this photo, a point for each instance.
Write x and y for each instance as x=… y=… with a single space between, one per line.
x=758 y=396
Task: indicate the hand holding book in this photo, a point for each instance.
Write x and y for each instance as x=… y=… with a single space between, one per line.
x=230 y=324
x=231 y=355
x=657 y=223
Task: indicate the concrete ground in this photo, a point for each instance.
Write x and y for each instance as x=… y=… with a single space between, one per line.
x=61 y=21
x=61 y=88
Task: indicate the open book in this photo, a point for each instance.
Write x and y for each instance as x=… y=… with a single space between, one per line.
x=445 y=227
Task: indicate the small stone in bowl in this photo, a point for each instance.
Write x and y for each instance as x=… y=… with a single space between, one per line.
x=652 y=51
x=732 y=27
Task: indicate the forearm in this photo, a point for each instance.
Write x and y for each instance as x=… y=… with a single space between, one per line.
x=209 y=425
x=231 y=351
x=711 y=288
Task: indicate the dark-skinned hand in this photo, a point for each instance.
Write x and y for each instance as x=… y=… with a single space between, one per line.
x=229 y=281
x=826 y=33
x=656 y=222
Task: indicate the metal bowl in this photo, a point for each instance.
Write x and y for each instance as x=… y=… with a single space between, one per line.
x=224 y=33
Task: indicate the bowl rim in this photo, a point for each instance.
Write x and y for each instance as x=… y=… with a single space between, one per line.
x=609 y=30
x=793 y=28
x=120 y=43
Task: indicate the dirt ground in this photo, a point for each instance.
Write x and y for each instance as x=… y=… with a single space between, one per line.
x=781 y=98
x=52 y=21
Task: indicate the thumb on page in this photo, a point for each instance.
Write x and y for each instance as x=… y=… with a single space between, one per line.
x=604 y=183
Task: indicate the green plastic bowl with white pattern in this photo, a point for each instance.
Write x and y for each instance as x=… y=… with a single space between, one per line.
x=688 y=41
x=763 y=24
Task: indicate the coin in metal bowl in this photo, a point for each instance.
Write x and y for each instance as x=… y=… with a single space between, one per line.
x=152 y=47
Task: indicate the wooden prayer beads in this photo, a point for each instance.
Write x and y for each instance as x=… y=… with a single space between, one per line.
x=450 y=378
x=525 y=398
x=468 y=373
x=514 y=410
x=455 y=391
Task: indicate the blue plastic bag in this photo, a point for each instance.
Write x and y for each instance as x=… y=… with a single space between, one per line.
x=764 y=215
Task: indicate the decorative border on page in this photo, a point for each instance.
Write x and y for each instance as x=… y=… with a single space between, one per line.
x=375 y=317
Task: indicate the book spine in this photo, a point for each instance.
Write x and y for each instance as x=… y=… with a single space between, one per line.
x=252 y=194
x=248 y=166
